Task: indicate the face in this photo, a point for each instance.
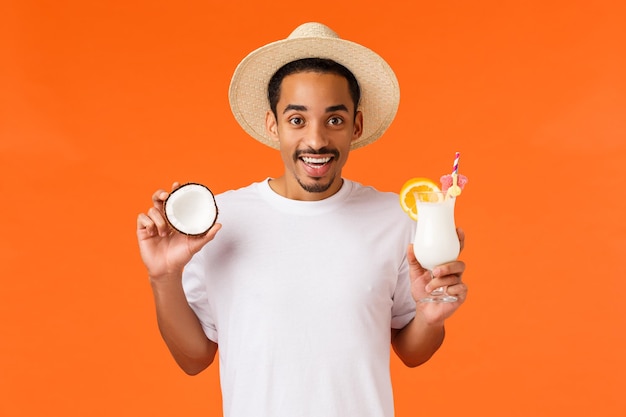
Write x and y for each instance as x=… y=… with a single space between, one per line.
x=315 y=126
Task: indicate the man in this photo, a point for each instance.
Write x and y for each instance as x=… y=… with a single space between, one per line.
x=311 y=277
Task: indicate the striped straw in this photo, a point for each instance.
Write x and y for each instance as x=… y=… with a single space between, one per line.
x=455 y=169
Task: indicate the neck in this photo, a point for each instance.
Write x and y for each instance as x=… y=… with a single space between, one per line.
x=293 y=190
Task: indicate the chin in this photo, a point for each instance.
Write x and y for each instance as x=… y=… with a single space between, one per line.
x=316 y=186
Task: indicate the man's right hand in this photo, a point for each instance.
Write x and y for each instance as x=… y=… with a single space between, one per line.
x=164 y=251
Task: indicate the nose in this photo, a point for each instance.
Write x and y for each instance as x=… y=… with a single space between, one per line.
x=315 y=136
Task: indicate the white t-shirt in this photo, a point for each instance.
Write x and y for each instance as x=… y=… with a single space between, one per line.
x=301 y=297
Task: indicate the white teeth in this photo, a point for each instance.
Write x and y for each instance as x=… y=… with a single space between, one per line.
x=310 y=160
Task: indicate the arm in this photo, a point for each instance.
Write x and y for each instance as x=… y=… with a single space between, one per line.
x=180 y=328
x=165 y=253
x=416 y=342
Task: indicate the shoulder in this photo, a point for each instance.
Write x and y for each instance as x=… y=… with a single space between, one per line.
x=383 y=203
x=237 y=195
x=366 y=194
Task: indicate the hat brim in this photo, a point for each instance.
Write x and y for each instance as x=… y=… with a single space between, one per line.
x=380 y=93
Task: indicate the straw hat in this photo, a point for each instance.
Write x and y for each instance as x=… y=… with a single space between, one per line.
x=380 y=93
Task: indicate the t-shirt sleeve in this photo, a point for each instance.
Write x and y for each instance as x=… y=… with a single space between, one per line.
x=403 y=309
x=196 y=293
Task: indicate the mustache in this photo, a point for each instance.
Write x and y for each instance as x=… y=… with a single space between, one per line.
x=310 y=151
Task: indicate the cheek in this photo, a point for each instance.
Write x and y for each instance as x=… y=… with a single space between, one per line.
x=286 y=154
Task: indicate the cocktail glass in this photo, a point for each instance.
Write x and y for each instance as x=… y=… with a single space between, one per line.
x=436 y=241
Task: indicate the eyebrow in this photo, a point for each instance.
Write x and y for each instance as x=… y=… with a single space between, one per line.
x=295 y=107
x=330 y=109
x=336 y=108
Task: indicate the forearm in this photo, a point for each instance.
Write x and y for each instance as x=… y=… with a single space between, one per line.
x=417 y=341
x=180 y=328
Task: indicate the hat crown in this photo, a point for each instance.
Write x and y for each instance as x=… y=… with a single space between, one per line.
x=313 y=30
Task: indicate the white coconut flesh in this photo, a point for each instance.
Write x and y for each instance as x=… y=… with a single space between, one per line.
x=191 y=209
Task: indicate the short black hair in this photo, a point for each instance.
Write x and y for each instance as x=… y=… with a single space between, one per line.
x=321 y=65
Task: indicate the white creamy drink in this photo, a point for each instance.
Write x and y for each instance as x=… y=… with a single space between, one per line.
x=436 y=241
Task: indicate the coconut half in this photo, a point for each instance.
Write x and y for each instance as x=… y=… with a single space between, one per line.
x=191 y=209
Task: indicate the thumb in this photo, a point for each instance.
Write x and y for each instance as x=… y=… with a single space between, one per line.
x=414 y=264
x=416 y=271
x=197 y=242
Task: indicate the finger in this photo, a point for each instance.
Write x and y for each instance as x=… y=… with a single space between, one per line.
x=461 y=234
x=451 y=268
x=145 y=223
x=446 y=281
x=159 y=197
x=162 y=226
x=459 y=290
x=175 y=185
x=446 y=275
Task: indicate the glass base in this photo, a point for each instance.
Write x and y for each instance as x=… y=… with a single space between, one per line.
x=440 y=298
x=439 y=295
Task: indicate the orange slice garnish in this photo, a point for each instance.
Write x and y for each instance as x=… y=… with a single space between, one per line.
x=407 y=198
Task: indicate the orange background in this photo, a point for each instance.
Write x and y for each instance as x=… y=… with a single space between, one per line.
x=103 y=102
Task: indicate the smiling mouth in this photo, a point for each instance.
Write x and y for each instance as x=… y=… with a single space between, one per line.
x=316 y=162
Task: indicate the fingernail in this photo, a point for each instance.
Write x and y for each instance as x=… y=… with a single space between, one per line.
x=435 y=272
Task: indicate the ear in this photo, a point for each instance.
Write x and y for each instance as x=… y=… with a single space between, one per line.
x=271 y=125
x=358 y=126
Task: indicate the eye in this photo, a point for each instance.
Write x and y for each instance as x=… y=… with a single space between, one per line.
x=335 y=121
x=296 y=121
